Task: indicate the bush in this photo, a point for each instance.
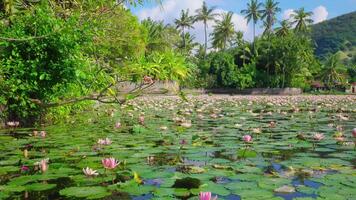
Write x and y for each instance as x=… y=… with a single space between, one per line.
x=41 y=65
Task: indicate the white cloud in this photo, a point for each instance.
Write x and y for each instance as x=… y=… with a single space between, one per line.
x=171 y=9
x=320 y=14
x=287 y=14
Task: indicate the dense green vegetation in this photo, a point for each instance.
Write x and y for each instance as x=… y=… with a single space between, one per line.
x=337 y=34
x=60 y=53
x=57 y=57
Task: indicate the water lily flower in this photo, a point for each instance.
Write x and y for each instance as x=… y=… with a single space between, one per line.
x=24 y=168
x=339 y=128
x=206 y=196
x=25 y=153
x=35 y=133
x=247 y=138
x=110 y=163
x=105 y=141
x=238 y=125
x=13 y=124
x=90 y=172
x=318 y=136
x=256 y=130
x=163 y=128
x=186 y=124
x=141 y=120
x=43 y=165
x=43 y=134
x=183 y=142
x=272 y=124
x=354 y=132
x=118 y=125
x=340 y=139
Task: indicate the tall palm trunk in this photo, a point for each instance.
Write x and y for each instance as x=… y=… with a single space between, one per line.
x=183 y=37
x=206 y=37
x=254 y=31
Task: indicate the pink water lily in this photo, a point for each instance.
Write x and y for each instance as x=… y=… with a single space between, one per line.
x=247 y=138
x=318 y=136
x=105 y=141
x=43 y=134
x=118 y=125
x=354 y=132
x=206 y=196
x=110 y=163
x=272 y=124
x=43 y=165
x=13 y=124
x=24 y=168
x=141 y=120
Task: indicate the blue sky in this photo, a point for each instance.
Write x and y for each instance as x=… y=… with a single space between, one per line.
x=170 y=9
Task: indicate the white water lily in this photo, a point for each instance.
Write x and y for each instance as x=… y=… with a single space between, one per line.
x=90 y=172
x=186 y=124
x=105 y=141
x=256 y=130
x=238 y=125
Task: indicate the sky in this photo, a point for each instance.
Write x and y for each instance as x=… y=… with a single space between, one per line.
x=170 y=9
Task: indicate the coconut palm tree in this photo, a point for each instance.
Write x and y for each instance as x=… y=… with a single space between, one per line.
x=301 y=20
x=269 y=11
x=205 y=14
x=189 y=44
x=284 y=29
x=224 y=31
x=253 y=13
x=184 y=22
x=333 y=72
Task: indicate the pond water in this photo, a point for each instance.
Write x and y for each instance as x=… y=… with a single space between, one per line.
x=169 y=148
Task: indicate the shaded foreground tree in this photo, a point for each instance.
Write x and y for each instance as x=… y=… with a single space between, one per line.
x=49 y=60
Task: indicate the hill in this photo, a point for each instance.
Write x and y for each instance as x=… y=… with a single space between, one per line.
x=337 y=34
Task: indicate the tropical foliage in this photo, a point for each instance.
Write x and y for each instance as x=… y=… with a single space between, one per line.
x=57 y=57
x=59 y=54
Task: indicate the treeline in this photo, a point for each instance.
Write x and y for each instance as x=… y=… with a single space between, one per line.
x=283 y=56
x=57 y=57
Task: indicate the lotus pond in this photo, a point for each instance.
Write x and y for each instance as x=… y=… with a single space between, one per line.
x=299 y=147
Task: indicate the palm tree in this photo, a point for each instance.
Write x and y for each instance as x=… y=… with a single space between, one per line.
x=333 y=72
x=253 y=13
x=301 y=19
x=224 y=31
x=190 y=44
x=205 y=14
x=184 y=22
x=284 y=29
x=270 y=9
x=238 y=39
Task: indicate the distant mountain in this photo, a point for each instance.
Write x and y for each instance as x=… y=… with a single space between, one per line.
x=337 y=34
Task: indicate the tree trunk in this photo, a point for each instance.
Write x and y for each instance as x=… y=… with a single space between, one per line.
x=183 y=36
x=206 y=38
